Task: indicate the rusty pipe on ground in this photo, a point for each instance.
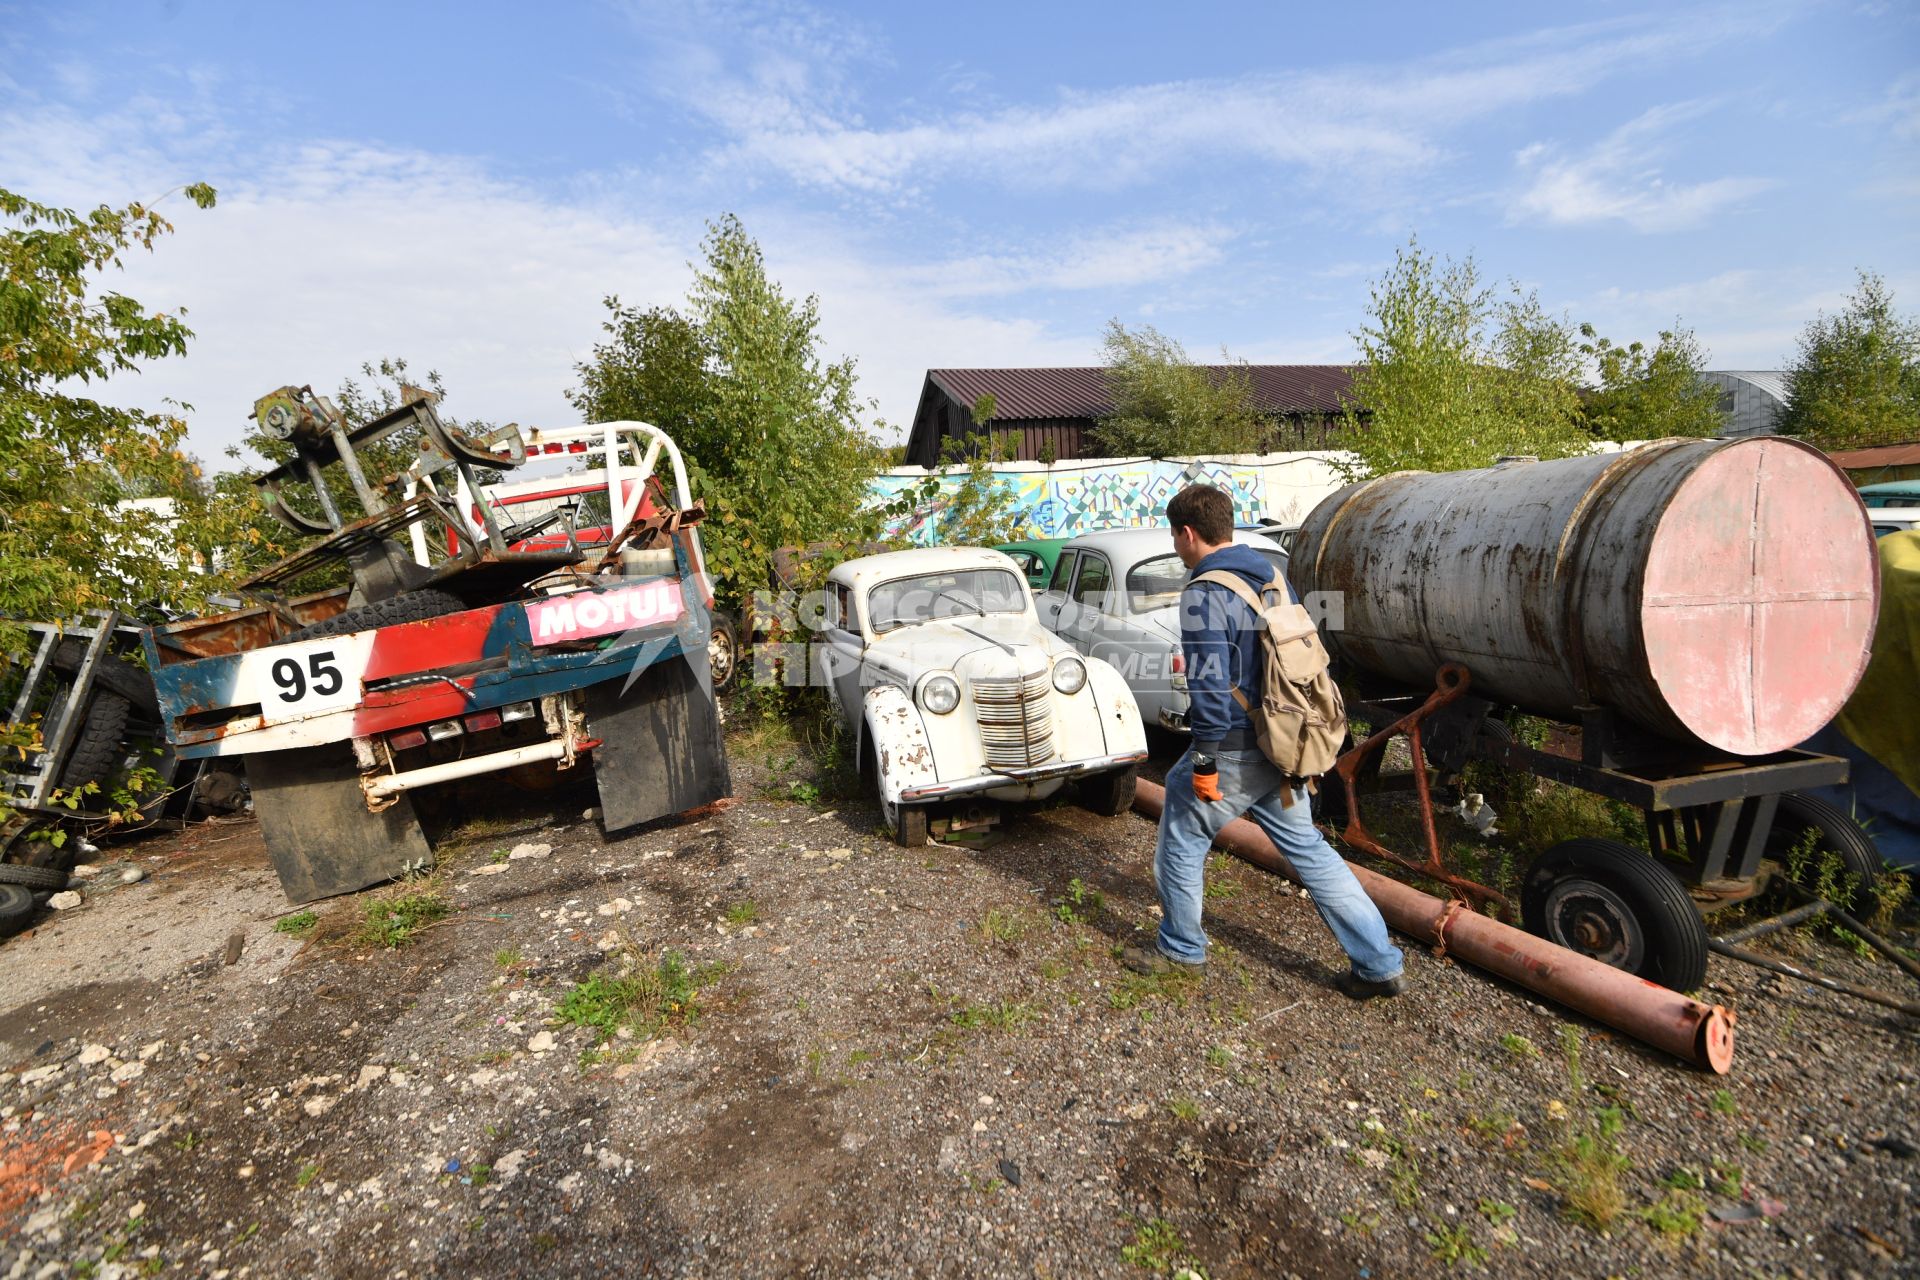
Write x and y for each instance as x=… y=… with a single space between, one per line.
x=1698 y=1033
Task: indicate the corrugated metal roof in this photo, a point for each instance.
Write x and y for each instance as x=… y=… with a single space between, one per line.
x=1886 y=455
x=1771 y=381
x=1083 y=393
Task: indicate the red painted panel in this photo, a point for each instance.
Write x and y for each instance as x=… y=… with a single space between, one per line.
x=1759 y=597
x=435 y=642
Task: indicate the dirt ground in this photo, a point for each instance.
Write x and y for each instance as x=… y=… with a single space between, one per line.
x=904 y=1062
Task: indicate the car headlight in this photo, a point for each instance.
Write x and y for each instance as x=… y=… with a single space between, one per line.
x=1069 y=675
x=940 y=694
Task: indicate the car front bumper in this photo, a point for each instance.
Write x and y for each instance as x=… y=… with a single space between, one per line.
x=1015 y=777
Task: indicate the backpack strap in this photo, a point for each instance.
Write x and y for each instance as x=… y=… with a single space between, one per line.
x=1238 y=586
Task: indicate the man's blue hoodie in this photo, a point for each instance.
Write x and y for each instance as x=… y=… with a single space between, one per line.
x=1220 y=638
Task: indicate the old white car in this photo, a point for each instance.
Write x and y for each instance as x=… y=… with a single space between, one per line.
x=1116 y=596
x=951 y=689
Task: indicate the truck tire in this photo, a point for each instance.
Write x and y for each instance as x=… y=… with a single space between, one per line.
x=101 y=742
x=130 y=682
x=410 y=606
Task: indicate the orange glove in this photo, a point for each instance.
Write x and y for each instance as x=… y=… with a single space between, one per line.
x=1206 y=780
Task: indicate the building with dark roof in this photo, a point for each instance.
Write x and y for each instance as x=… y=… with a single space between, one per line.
x=1050 y=413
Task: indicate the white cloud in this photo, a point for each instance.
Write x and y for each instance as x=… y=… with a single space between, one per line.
x=1618 y=180
x=321 y=256
x=1113 y=258
x=1366 y=123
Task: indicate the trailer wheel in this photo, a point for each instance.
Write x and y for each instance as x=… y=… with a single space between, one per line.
x=33 y=878
x=16 y=908
x=723 y=652
x=1613 y=902
x=410 y=606
x=1109 y=794
x=1836 y=831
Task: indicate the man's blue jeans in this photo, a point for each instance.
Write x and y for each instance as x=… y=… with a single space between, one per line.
x=1250 y=785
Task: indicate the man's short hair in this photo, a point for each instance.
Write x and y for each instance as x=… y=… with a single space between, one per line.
x=1206 y=510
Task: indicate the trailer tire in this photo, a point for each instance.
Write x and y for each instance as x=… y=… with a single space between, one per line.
x=410 y=606
x=1613 y=902
x=33 y=878
x=16 y=908
x=1838 y=834
x=101 y=743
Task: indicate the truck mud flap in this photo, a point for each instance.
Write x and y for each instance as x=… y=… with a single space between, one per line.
x=318 y=830
x=660 y=748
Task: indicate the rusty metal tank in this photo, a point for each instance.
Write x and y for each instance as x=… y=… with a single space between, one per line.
x=1722 y=591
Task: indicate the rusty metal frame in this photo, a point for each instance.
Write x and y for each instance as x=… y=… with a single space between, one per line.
x=1450 y=684
x=1812 y=907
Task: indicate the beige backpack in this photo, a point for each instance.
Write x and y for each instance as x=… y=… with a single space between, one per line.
x=1301 y=719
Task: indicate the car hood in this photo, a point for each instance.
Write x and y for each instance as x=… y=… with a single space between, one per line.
x=945 y=645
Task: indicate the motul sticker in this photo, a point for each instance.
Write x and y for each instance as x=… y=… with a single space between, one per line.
x=596 y=613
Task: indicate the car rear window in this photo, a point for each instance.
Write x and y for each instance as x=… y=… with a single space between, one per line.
x=967 y=593
x=1155 y=584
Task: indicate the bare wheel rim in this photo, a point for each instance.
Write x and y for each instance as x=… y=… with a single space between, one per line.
x=1590 y=918
x=720 y=655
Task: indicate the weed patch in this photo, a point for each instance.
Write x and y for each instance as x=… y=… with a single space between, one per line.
x=1588 y=1162
x=1156 y=1246
x=1079 y=903
x=391 y=922
x=647 y=1000
x=1453 y=1245
x=297 y=925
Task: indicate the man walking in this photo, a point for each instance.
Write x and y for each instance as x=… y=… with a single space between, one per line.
x=1224 y=774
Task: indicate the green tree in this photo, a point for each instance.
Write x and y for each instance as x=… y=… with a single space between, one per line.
x=769 y=426
x=652 y=368
x=978 y=511
x=1856 y=378
x=1451 y=376
x=1651 y=395
x=66 y=543
x=1164 y=405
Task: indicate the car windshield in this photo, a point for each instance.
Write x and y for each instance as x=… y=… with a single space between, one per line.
x=967 y=593
x=1155 y=584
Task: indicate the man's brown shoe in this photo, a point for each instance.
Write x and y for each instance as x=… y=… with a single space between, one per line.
x=1153 y=962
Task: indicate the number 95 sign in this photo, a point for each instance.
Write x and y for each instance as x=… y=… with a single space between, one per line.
x=292 y=681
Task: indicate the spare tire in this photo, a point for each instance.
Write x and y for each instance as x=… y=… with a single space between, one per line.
x=409 y=606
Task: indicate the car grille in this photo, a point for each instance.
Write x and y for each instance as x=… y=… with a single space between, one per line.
x=1016 y=721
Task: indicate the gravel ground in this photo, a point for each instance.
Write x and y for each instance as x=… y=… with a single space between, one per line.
x=905 y=1062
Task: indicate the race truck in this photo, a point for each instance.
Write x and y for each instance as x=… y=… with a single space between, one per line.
x=506 y=651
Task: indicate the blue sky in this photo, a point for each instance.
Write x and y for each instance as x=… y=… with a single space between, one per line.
x=961 y=185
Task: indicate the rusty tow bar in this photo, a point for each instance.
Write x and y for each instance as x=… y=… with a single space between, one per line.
x=1698 y=1033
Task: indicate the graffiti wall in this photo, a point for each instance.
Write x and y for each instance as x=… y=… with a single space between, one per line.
x=1071 y=498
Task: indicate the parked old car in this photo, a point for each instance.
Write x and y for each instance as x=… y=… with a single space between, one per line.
x=1115 y=597
x=952 y=689
x=1036 y=558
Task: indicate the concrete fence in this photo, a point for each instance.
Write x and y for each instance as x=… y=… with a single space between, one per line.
x=1065 y=499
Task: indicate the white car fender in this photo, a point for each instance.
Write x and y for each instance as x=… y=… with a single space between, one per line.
x=1119 y=710
x=902 y=752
